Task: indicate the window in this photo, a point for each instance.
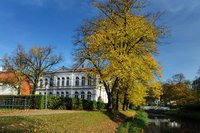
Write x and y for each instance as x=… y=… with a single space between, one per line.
x=45 y=93
x=67 y=94
x=83 y=95
x=89 y=80
x=58 y=81
x=63 y=81
x=89 y=95
x=76 y=94
x=40 y=93
x=50 y=93
x=41 y=82
x=46 y=82
x=67 y=81
x=58 y=93
x=83 y=81
x=51 y=82
x=77 y=81
x=62 y=94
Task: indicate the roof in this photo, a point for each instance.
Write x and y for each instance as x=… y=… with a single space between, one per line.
x=64 y=69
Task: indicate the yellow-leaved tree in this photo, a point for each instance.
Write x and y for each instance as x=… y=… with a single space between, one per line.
x=120 y=45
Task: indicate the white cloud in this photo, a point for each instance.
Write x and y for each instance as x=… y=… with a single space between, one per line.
x=61 y=4
x=36 y=2
x=180 y=5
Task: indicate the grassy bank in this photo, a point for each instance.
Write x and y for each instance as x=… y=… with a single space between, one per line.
x=134 y=125
x=81 y=122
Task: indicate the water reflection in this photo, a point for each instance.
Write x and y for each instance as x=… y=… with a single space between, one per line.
x=165 y=124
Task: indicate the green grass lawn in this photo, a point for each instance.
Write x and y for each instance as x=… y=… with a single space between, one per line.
x=81 y=122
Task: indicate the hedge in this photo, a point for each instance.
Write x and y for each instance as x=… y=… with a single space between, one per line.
x=22 y=101
x=54 y=102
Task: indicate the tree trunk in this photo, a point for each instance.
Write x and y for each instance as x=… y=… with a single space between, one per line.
x=125 y=102
x=117 y=101
x=110 y=103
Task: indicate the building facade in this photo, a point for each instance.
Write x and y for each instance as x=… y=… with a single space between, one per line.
x=72 y=83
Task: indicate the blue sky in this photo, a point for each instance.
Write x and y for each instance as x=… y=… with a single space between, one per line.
x=53 y=22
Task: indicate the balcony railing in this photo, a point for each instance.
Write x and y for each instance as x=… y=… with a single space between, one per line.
x=67 y=87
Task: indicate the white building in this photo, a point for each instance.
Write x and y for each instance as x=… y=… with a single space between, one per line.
x=72 y=83
x=7 y=90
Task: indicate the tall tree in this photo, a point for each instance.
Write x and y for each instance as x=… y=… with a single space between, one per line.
x=120 y=45
x=39 y=60
x=179 y=91
x=32 y=64
x=15 y=64
x=178 y=78
x=178 y=94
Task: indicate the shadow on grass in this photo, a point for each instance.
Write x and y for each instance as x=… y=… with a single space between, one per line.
x=18 y=124
x=130 y=124
x=118 y=118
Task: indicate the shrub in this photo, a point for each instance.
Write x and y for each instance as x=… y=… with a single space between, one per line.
x=77 y=104
x=100 y=104
x=55 y=102
x=38 y=101
x=191 y=107
x=89 y=105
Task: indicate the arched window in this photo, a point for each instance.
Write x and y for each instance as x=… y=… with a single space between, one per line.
x=50 y=93
x=89 y=80
x=41 y=82
x=77 y=81
x=62 y=94
x=76 y=94
x=58 y=81
x=63 y=81
x=40 y=93
x=83 y=95
x=58 y=93
x=83 y=81
x=67 y=94
x=67 y=83
x=89 y=95
x=51 y=82
x=46 y=82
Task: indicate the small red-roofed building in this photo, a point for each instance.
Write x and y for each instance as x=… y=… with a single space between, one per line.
x=8 y=81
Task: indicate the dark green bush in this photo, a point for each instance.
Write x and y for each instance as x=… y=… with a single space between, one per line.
x=89 y=105
x=77 y=104
x=38 y=101
x=53 y=102
x=191 y=107
x=100 y=104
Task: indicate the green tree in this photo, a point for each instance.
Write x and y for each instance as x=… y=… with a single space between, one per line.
x=120 y=46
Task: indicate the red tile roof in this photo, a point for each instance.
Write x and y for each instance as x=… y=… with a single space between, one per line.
x=10 y=77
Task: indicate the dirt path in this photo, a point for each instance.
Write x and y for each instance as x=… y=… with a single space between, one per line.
x=34 y=112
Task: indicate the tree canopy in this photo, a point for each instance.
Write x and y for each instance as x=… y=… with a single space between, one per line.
x=120 y=47
x=31 y=64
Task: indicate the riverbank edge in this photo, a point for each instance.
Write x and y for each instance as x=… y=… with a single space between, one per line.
x=134 y=125
x=192 y=115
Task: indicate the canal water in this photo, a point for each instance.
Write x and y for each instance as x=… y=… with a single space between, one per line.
x=166 y=124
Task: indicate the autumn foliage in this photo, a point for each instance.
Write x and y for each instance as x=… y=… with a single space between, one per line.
x=120 y=46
